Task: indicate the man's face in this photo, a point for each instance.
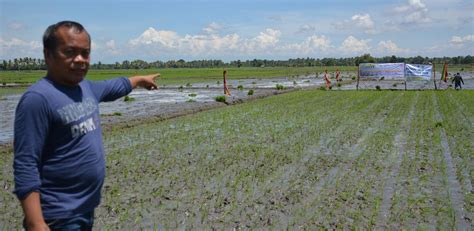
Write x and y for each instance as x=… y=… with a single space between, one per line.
x=68 y=63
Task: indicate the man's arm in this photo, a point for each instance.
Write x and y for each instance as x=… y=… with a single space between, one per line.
x=30 y=132
x=145 y=81
x=33 y=214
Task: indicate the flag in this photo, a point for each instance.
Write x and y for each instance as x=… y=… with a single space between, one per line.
x=328 y=82
x=444 y=74
x=226 y=90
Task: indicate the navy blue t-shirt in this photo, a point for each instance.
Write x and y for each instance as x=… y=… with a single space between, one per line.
x=58 y=144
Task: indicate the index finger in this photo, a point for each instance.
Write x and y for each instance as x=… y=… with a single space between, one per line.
x=156 y=75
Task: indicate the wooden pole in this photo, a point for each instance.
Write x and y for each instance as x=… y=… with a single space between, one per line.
x=405 y=75
x=358 y=76
x=226 y=90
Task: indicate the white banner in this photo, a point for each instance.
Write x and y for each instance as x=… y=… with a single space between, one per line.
x=418 y=72
x=394 y=71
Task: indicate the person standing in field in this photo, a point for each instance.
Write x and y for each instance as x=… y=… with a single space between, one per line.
x=59 y=163
x=457 y=79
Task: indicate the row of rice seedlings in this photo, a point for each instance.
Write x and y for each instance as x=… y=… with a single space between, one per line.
x=418 y=202
x=457 y=122
x=296 y=180
x=354 y=197
x=234 y=120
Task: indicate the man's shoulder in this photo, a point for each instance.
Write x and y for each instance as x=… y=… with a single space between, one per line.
x=40 y=87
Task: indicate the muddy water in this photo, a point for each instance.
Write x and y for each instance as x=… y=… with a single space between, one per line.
x=178 y=99
x=172 y=99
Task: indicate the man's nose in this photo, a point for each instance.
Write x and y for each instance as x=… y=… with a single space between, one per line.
x=80 y=59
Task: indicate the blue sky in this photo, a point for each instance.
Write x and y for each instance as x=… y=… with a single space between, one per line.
x=246 y=29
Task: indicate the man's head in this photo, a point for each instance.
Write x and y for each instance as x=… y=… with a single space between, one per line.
x=66 y=50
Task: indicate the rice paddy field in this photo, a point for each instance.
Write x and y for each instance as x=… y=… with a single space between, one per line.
x=308 y=159
x=179 y=75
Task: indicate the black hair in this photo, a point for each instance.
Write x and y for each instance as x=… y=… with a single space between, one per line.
x=50 y=39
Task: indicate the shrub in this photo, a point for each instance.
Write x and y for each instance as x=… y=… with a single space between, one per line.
x=280 y=87
x=191 y=101
x=339 y=84
x=128 y=99
x=117 y=114
x=188 y=84
x=240 y=87
x=220 y=98
x=250 y=92
x=394 y=85
x=378 y=88
x=353 y=78
x=192 y=95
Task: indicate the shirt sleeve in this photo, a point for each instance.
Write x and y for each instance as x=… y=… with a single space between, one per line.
x=110 y=90
x=32 y=122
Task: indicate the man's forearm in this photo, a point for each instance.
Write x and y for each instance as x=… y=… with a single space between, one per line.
x=146 y=81
x=33 y=215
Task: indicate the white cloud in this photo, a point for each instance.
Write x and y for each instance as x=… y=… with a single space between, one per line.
x=310 y=45
x=160 y=42
x=353 y=45
x=461 y=41
x=15 y=25
x=151 y=36
x=213 y=28
x=267 y=38
x=364 y=22
x=16 y=47
x=111 y=47
x=414 y=12
x=389 y=48
x=306 y=29
x=264 y=43
x=15 y=42
x=94 y=46
x=360 y=22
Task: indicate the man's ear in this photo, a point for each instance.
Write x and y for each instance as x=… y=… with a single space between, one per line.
x=46 y=53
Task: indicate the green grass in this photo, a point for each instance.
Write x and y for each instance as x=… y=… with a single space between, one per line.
x=177 y=75
x=300 y=160
x=11 y=90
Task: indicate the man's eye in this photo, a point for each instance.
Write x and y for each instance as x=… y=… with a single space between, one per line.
x=85 y=53
x=68 y=52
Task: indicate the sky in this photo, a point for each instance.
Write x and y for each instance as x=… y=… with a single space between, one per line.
x=245 y=29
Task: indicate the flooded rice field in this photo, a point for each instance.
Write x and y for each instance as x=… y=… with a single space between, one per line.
x=169 y=101
x=173 y=100
x=305 y=160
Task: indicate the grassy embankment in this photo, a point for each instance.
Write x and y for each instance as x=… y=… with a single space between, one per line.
x=173 y=75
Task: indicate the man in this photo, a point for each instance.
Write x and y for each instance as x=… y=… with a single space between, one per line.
x=457 y=81
x=59 y=164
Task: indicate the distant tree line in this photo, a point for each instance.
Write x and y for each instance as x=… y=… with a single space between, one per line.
x=39 y=64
